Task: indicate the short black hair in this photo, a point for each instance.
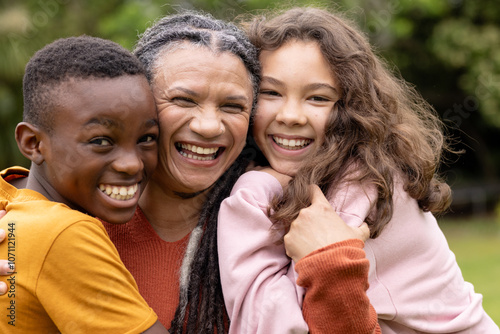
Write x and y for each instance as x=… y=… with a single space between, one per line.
x=73 y=57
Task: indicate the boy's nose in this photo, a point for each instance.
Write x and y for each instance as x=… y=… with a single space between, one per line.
x=128 y=162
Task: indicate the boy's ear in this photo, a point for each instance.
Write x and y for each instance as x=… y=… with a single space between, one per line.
x=28 y=137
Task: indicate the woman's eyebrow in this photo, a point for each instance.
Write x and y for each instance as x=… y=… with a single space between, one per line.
x=183 y=89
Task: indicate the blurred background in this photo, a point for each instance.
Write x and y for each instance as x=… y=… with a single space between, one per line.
x=449 y=49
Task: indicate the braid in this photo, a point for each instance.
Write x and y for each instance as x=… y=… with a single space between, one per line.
x=201 y=292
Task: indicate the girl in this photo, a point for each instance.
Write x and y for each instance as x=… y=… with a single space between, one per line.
x=331 y=114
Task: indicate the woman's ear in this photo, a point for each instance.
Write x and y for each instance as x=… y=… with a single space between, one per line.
x=28 y=138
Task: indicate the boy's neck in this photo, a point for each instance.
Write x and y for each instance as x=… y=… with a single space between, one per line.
x=36 y=181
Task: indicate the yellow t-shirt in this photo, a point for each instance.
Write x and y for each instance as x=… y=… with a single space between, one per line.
x=69 y=277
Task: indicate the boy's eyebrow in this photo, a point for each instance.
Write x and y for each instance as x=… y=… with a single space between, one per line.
x=151 y=123
x=109 y=123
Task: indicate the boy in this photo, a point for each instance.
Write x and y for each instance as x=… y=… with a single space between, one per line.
x=90 y=129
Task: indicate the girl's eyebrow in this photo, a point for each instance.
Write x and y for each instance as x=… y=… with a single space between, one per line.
x=323 y=85
x=312 y=86
x=273 y=81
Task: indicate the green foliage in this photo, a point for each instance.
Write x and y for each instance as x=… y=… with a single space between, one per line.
x=475 y=50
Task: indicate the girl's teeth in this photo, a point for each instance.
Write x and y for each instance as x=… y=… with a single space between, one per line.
x=291 y=144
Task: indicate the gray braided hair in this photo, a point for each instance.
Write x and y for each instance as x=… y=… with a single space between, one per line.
x=200 y=30
x=201 y=306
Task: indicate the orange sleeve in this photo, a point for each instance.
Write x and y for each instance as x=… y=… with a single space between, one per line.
x=336 y=280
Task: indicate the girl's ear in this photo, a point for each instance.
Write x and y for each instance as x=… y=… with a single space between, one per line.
x=28 y=138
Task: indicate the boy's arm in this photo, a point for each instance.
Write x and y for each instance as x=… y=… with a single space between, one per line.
x=84 y=286
x=257 y=281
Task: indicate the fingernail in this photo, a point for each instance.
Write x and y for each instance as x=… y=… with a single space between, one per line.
x=9 y=267
x=3 y=288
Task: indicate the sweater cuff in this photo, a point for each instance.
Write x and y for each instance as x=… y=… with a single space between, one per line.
x=342 y=258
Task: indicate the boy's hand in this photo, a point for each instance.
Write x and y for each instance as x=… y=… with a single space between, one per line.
x=4 y=264
x=318 y=226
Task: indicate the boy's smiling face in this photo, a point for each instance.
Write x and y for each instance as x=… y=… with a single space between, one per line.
x=102 y=146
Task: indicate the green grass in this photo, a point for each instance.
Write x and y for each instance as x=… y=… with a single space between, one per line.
x=476 y=244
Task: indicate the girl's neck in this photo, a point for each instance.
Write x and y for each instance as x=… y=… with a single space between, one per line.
x=171 y=216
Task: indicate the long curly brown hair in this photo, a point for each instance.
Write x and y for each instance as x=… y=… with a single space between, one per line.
x=380 y=129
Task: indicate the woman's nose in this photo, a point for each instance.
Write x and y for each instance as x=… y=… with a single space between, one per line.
x=207 y=123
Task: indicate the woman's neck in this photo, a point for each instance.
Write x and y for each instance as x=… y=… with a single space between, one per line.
x=170 y=215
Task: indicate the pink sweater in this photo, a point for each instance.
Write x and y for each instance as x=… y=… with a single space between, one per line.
x=415 y=283
x=258 y=279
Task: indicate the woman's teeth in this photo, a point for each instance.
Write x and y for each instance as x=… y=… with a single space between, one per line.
x=291 y=144
x=119 y=192
x=197 y=152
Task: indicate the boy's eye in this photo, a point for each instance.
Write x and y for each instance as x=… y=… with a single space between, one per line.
x=148 y=138
x=100 y=141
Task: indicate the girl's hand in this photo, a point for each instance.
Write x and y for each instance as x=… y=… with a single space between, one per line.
x=318 y=226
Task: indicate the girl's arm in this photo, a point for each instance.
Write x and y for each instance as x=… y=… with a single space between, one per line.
x=257 y=282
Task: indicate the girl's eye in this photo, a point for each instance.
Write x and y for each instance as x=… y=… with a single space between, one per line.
x=269 y=92
x=319 y=99
x=100 y=141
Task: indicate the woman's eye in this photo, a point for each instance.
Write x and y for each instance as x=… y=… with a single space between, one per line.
x=183 y=101
x=100 y=141
x=232 y=108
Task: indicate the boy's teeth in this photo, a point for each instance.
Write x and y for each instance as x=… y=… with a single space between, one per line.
x=119 y=192
x=291 y=144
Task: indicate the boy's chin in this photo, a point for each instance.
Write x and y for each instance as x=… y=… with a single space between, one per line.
x=118 y=217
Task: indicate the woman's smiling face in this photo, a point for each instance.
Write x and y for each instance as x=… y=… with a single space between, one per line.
x=204 y=102
x=297 y=96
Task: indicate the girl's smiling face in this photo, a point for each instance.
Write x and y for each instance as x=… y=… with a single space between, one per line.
x=297 y=95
